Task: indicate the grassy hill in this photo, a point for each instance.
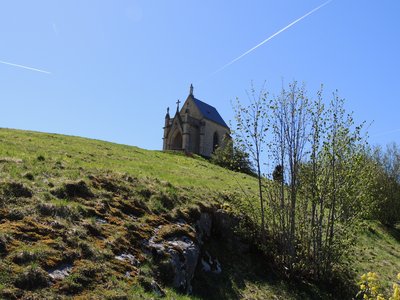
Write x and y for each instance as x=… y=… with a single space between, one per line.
x=76 y=214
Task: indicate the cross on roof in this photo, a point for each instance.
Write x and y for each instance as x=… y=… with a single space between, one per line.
x=177 y=104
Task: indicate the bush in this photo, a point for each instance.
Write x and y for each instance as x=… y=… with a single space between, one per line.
x=382 y=196
x=233 y=158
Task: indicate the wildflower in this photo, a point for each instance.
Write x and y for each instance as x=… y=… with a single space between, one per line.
x=396 y=292
x=372 y=276
x=364 y=277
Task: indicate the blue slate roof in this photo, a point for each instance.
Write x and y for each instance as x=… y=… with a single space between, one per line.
x=209 y=112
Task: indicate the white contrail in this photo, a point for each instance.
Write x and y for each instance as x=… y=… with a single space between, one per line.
x=24 y=67
x=272 y=36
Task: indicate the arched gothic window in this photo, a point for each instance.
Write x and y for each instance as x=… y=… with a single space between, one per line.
x=177 y=141
x=215 y=141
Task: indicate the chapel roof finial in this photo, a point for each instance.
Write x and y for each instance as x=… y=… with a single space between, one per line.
x=177 y=105
x=191 y=89
x=167 y=115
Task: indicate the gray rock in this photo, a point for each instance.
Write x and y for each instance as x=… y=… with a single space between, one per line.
x=128 y=257
x=61 y=272
x=203 y=226
x=157 y=289
x=100 y=220
x=205 y=266
x=210 y=265
x=224 y=225
x=181 y=256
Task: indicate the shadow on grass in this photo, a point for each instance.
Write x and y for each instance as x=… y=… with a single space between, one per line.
x=392 y=231
x=251 y=276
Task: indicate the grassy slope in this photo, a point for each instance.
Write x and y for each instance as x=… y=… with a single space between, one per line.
x=44 y=162
x=76 y=152
x=378 y=250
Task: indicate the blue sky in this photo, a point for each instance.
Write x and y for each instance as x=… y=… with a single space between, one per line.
x=116 y=65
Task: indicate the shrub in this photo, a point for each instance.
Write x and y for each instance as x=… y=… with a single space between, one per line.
x=233 y=158
x=382 y=192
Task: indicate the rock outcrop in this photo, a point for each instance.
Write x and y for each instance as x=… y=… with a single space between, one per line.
x=176 y=249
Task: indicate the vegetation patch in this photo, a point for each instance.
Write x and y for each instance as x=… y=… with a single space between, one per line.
x=61 y=210
x=31 y=278
x=15 y=189
x=3 y=243
x=83 y=207
x=171 y=231
x=113 y=184
x=72 y=190
x=82 y=277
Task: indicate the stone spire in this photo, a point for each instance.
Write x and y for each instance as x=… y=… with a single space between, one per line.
x=191 y=90
x=167 y=115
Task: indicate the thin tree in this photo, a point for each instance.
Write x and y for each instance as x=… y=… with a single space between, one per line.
x=290 y=118
x=251 y=133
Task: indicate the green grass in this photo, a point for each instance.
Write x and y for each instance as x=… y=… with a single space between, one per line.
x=115 y=182
x=378 y=250
x=55 y=188
x=66 y=156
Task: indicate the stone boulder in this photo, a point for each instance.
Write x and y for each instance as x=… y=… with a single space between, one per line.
x=204 y=226
x=176 y=256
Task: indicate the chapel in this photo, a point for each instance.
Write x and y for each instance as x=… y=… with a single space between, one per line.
x=196 y=128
